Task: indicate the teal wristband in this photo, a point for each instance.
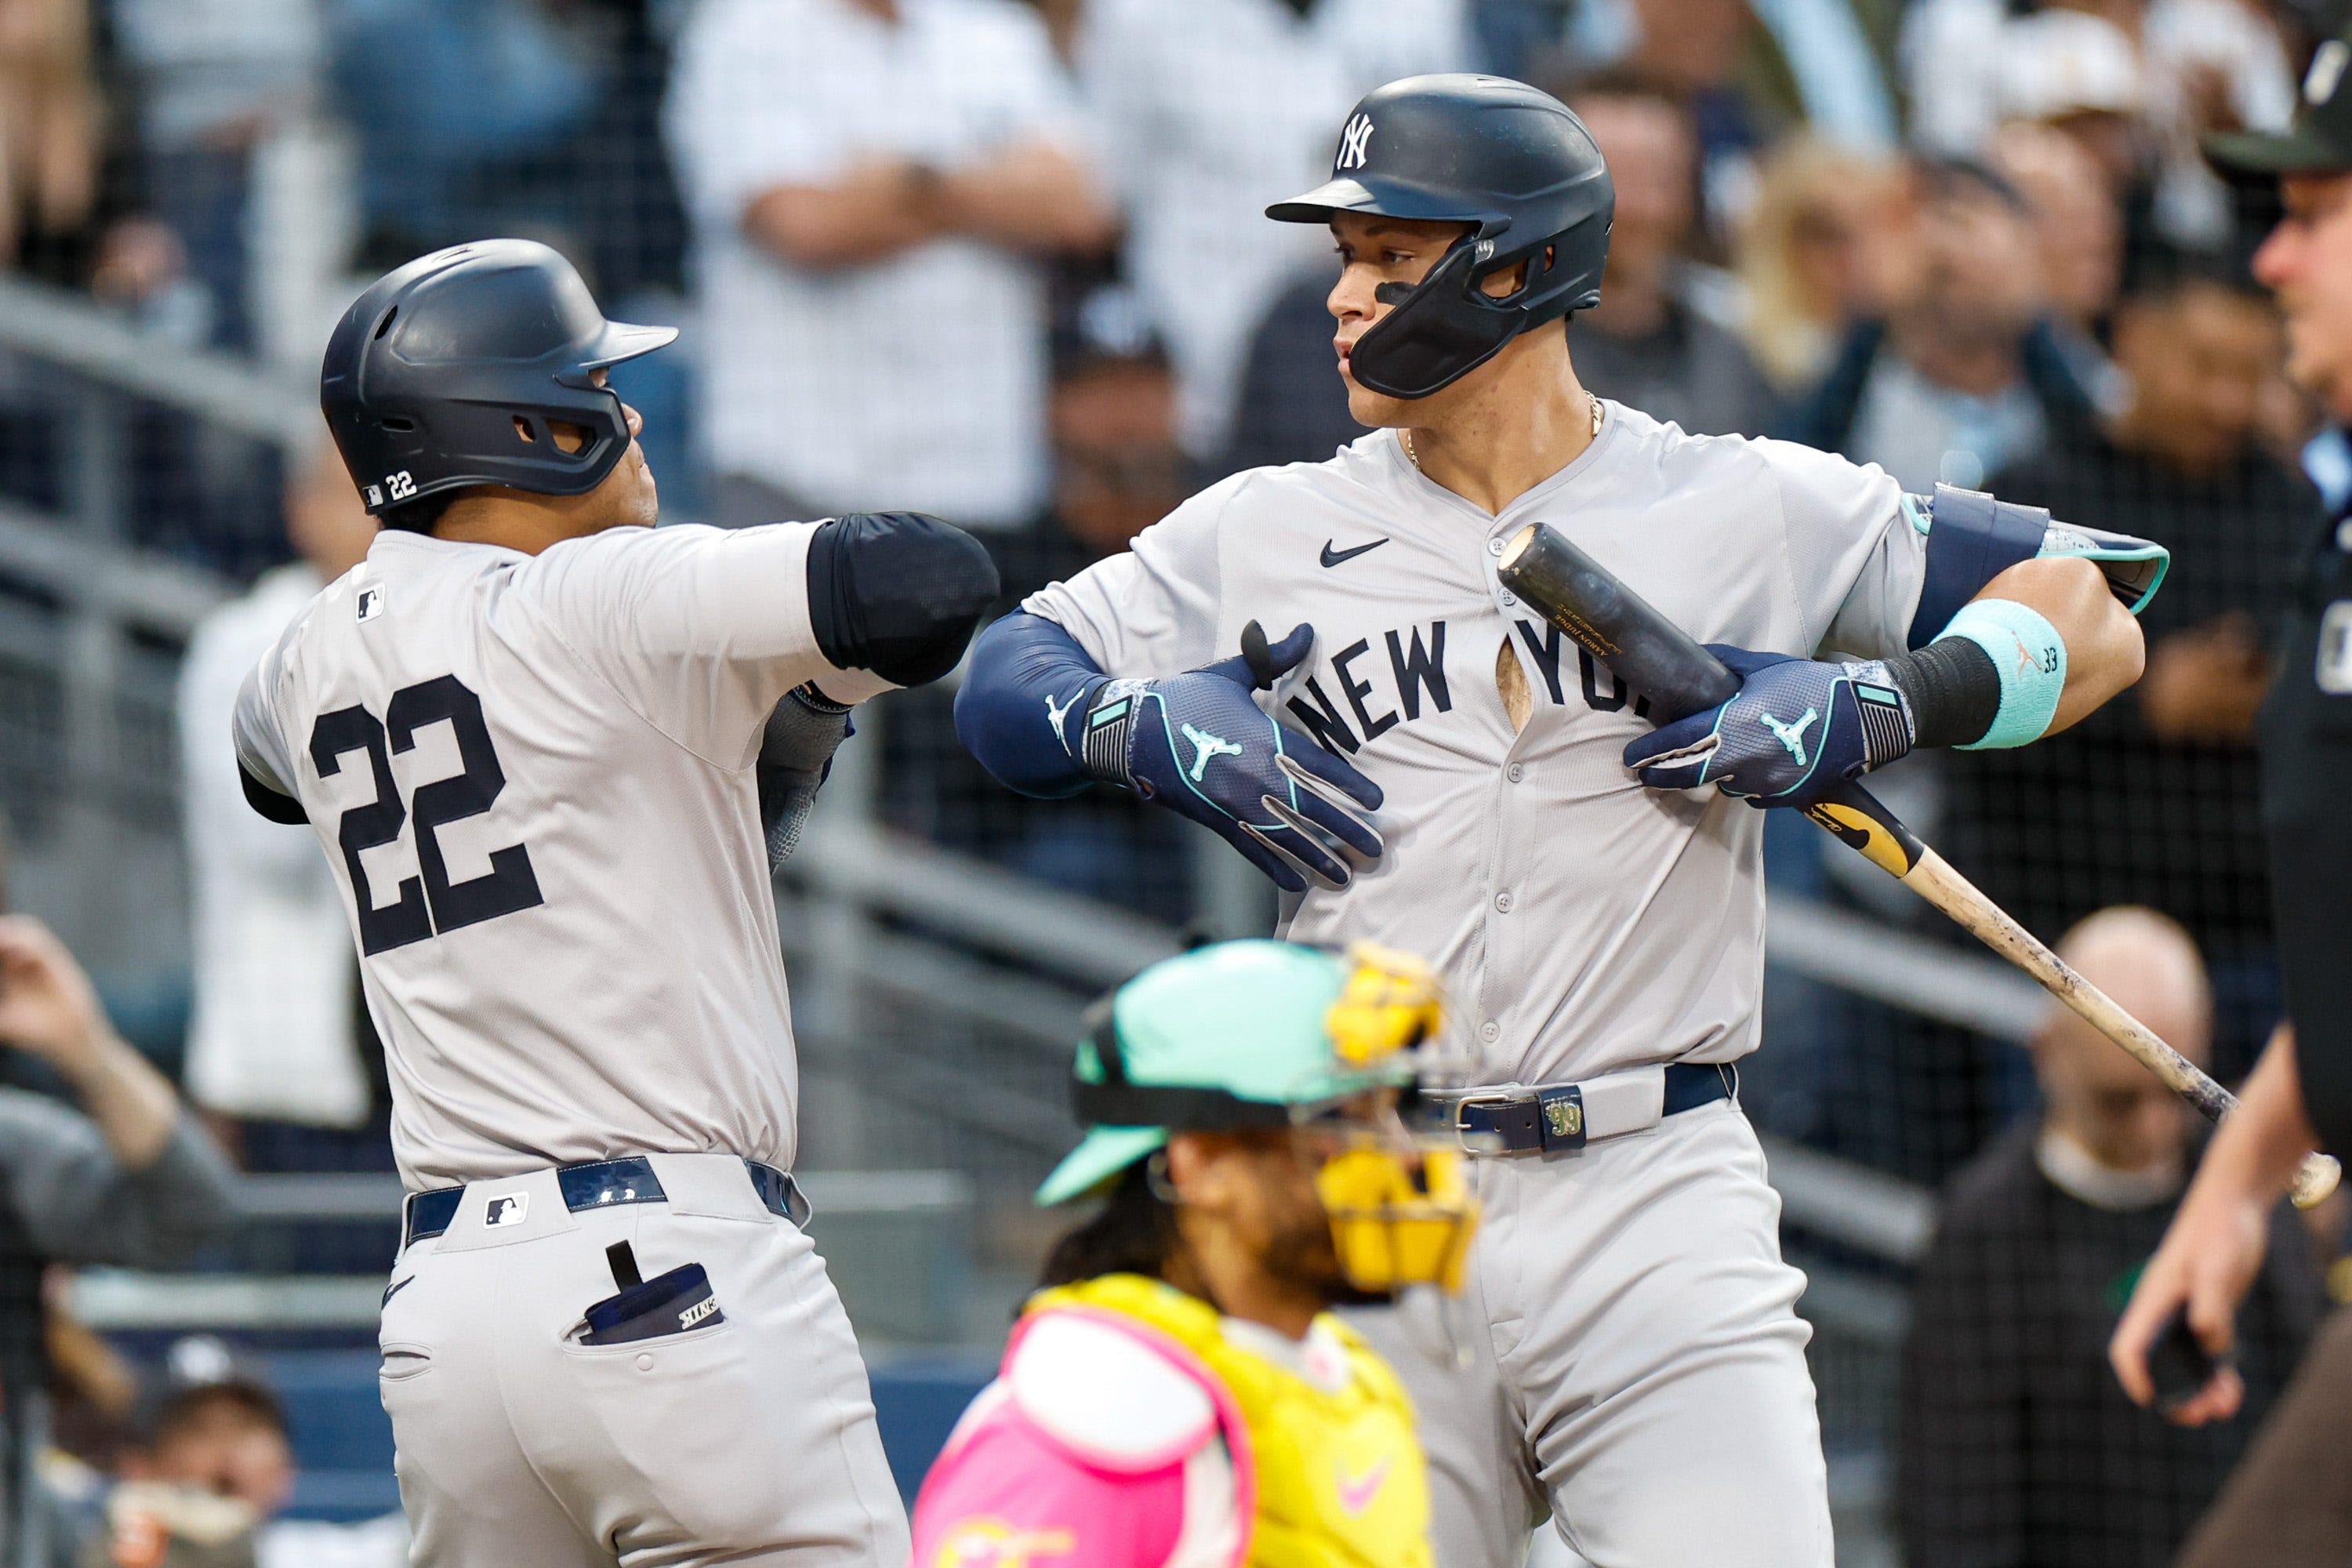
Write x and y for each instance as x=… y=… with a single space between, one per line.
x=2030 y=658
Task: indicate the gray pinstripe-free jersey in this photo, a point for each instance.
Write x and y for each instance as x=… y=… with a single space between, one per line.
x=1583 y=923
x=532 y=777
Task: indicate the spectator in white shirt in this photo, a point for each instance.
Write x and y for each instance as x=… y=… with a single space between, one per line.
x=873 y=185
x=272 y=1034
x=1211 y=109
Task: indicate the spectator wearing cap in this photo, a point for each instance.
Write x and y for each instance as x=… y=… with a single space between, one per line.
x=872 y=186
x=214 y=1468
x=2148 y=801
x=1963 y=376
x=2080 y=75
x=2016 y=1448
x=1210 y=110
x=1646 y=346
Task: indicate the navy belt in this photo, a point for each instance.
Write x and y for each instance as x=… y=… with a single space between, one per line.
x=603 y=1184
x=1552 y=1118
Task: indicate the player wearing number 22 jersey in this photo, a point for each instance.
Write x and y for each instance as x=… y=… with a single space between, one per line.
x=542 y=744
x=1321 y=663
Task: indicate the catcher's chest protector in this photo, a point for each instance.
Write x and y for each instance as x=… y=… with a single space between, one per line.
x=1340 y=1479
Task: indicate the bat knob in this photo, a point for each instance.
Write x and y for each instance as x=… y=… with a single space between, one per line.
x=1508 y=561
x=1256 y=655
x=2315 y=1179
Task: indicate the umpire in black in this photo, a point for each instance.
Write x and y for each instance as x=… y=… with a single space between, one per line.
x=2291 y=1500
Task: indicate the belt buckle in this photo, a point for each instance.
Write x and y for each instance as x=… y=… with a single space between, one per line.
x=1504 y=1133
x=1561 y=1117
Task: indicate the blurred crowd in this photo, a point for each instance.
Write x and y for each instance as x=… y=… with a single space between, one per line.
x=1006 y=261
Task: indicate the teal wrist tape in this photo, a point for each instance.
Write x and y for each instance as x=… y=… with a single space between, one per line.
x=2031 y=658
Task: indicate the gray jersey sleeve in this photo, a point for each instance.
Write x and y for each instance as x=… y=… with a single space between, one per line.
x=1152 y=611
x=260 y=746
x=700 y=631
x=1856 y=562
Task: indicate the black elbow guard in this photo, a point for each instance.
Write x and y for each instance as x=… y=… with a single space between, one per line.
x=897 y=593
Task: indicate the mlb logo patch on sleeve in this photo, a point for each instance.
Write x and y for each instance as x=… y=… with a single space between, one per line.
x=371 y=603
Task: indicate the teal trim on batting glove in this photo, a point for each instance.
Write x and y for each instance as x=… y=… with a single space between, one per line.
x=2030 y=658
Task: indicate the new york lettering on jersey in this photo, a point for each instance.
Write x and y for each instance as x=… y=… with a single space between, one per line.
x=1417 y=676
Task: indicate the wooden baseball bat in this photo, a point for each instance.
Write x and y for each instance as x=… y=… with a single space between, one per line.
x=1665 y=664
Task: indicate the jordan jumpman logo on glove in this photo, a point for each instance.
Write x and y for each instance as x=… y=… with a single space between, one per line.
x=1756 y=745
x=1199 y=745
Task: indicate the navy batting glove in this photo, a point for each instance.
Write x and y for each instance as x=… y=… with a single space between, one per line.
x=1199 y=745
x=1796 y=728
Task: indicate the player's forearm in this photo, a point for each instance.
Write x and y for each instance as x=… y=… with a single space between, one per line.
x=2104 y=652
x=2255 y=1156
x=1025 y=669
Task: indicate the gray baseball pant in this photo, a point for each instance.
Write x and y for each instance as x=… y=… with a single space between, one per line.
x=1626 y=1357
x=749 y=1440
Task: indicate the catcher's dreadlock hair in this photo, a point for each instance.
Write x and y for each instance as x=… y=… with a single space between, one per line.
x=1133 y=1233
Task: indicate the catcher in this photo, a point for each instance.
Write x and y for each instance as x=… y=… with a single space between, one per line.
x=1178 y=1396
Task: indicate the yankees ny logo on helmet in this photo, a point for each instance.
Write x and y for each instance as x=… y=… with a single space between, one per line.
x=1510 y=164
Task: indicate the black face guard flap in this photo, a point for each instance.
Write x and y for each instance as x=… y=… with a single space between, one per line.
x=1439 y=330
x=1444 y=327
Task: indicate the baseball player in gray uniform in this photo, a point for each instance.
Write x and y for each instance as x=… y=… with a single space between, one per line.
x=1424 y=762
x=539 y=739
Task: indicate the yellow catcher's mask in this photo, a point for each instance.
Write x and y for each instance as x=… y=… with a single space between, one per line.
x=1400 y=1215
x=1398 y=1221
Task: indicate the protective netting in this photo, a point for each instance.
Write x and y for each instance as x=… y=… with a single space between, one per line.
x=1005 y=262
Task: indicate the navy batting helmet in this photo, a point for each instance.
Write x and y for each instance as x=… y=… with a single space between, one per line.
x=1513 y=163
x=449 y=370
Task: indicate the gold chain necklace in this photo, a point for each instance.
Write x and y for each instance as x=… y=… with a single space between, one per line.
x=1404 y=436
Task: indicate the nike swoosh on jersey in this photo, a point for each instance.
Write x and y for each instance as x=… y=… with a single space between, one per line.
x=1356 y=1493
x=1333 y=557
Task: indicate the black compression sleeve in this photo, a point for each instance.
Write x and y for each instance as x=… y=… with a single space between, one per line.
x=897 y=593
x=277 y=807
x=1954 y=690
